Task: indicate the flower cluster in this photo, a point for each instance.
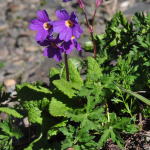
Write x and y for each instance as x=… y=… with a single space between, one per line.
x=67 y=28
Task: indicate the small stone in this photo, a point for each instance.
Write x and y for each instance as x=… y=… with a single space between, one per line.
x=9 y=82
x=31 y=59
x=3 y=53
x=18 y=63
x=31 y=48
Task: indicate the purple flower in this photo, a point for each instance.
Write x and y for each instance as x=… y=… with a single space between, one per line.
x=43 y=24
x=52 y=49
x=68 y=46
x=67 y=26
x=66 y=0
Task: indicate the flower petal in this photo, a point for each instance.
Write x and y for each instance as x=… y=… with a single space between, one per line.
x=51 y=52
x=58 y=55
x=77 y=30
x=43 y=16
x=36 y=22
x=45 y=53
x=68 y=46
x=44 y=43
x=78 y=47
x=66 y=34
x=58 y=26
x=35 y=27
x=62 y=14
x=74 y=18
x=41 y=35
x=46 y=17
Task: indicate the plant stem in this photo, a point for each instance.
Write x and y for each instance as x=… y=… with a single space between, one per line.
x=91 y=27
x=67 y=69
x=94 y=17
x=93 y=45
x=107 y=110
x=29 y=132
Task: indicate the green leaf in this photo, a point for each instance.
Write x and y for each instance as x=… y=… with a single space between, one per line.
x=77 y=62
x=34 y=115
x=17 y=133
x=113 y=137
x=74 y=75
x=86 y=116
x=104 y=137
x=67 y=88
x=55 y=129
x=117 y=30
x=11 y=111
x=93 y=68
x=88 y=46
x=57 y=108
x=143 y=99
x=54 y=75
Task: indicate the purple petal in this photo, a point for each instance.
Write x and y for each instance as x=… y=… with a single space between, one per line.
x=68 y=46
x=44 y=43
x=66 y=34
x=43 y=16
x=57 y=40
x=58 y=26
x=41 y=35
x=74 y=18
x=77 y=30
x=36 y=22
x=45 y=53
x=62 y=14
x=46 y=17
x=51 y=52
x=78 y=47
x=58 y=55
x=35 y=27
x=66 y=0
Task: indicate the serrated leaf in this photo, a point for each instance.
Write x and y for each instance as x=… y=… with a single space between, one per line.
x=113 y=137
x=77 y=62
x=67 y=88
x=57 y=108
x=34 y=115
x=55 y=129
x=93 y=68
x=74 y=75
x=11 y=111
x=104 y=137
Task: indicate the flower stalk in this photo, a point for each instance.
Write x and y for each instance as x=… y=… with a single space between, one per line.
x=91 y=30
x=67 y=69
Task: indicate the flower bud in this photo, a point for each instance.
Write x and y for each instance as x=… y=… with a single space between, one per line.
x=81 y=4
x=98 y=2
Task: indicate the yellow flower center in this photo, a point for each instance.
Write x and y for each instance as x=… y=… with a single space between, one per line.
x=69 y=23
x=53 y=44
x=46 y=26
x=72 y=37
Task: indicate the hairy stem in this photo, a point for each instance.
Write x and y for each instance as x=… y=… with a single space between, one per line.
x=67 y=69
x=93 y=45
x=94 y=17
x=91 y=28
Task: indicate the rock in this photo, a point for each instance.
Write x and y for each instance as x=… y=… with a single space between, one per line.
x=19 y=63
x=4 y=53
x=9 y=82
x=32 y=48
